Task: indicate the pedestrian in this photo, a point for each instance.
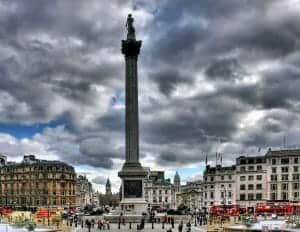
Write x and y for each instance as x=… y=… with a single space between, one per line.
x=99 y=224
x=180 y=226
x=93 y=223
x=107 y=225
x=188 y=225
x=89 y=224
x=172 y=222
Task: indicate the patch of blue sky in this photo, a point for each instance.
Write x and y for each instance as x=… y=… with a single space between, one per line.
x=21 y=131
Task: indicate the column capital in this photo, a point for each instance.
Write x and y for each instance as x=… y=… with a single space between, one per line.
x=131 y=48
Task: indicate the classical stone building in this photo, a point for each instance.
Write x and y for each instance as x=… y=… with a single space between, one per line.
x=219 y=185
x=251 y=180
x=159 y=192
x=274 y=176
x=283 y=175
x=190 y=195
x=35 y=183
x=84 y=192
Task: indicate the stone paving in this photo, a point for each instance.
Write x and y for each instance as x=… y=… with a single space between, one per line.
x=148 y=228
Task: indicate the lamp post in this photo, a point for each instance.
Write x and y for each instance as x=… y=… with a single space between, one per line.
x=48 y=214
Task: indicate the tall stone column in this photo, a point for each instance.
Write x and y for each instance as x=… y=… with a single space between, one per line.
x=131 y=48
x=132 y=173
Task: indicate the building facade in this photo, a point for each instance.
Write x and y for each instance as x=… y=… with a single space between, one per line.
x=35 y=183
x=274 y=176
x=84 y=192
x=191 y=196
x=283 y=175
x=219 y=185
x=251 y=180
x=159 y=192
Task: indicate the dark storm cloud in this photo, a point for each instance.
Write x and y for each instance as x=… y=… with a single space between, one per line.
x=225 y=69
x=205 y=60
x=167 y=80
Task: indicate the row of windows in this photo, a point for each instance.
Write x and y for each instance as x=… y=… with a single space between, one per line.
x=250 y=186
x=223 y=177
x=258 y=177
x=283 y=196
x=37 y=176
x=285 y=169
x=284 y=161
x=285 y=177
x=285 y=186
x=223 y=195
x=251 y=168
x=222 y=186
x=251 y=197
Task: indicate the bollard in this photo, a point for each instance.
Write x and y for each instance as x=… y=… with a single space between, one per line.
x=130 y=225
x=152 y=225
x=119 y=225
x=163 y=225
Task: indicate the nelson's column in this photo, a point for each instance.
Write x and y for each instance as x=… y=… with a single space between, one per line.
x=132 y=173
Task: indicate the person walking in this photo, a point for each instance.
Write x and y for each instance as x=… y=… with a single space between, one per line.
x=180 y=226
x=172 y=222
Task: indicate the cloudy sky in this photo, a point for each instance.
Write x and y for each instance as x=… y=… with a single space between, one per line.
x=214 y=76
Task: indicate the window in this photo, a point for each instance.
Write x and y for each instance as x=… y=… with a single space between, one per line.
x=205 y=195
x=242 y=197
x=250 y=186
x=295 y=186
x=229 y=177
x=274 y=196
x=229 y=194
x=243 y=169
x=242 y=187
x=296 y=195
x=222 y=177
x=222 y=194
x=242 y=178
x=229 y=185
x=284 y=195
x=296 y=160
x=166 y=191
x=285 y=177
x=258 y=196
x=211 y=195
x=259 y=177
x=274 y=187
x=250 y=177
x=259 y=186
x=211 y=178
x=296 y=177
x=259 y=168
x=284 y=186
x=251 y=168
x=296 y=169
x=284 y=169
x=285 y=161
x=250 y=196
x=273 y=161
x=273 y=177
x=274 y=169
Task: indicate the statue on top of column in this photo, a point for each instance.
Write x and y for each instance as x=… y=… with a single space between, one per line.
x=130 y=28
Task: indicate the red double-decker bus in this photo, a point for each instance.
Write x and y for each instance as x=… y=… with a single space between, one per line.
x=5 y=211
x=278 y=208
x=225 y=210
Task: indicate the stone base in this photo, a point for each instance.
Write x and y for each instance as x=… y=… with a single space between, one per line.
x=134 y=206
